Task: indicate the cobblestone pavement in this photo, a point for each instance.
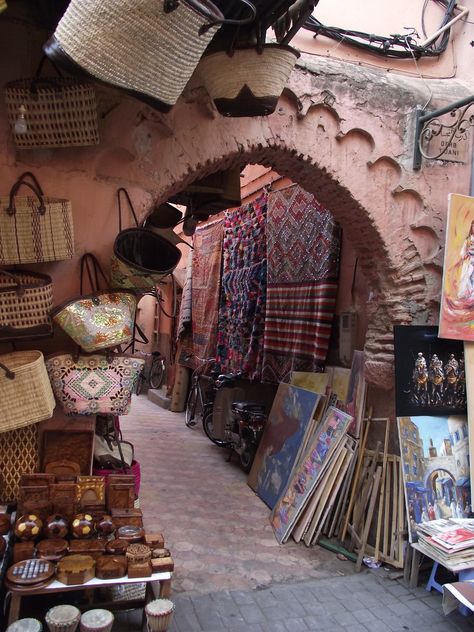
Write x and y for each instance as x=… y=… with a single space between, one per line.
x=230 y=573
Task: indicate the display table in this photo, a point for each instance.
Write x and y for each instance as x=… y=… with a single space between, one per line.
x=464 y=571
x=15 y=593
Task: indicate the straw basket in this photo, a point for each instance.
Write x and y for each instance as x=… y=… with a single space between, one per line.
x=26 y=396
x=19 y=454
x=247 y=82
x=36 y=228
x=58 y=112
x=138 y=46
x=26 y=299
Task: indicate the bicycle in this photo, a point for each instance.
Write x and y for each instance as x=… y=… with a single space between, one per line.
x=152 y=373
x=199 y=399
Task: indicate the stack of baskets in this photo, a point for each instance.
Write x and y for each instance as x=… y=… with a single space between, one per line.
x=26 y=398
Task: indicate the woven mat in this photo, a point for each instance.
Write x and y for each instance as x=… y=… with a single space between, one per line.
x=303 y=244
x=243 y=295
x=207 y=258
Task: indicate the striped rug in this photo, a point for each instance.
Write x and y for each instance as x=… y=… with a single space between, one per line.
x=303 y=243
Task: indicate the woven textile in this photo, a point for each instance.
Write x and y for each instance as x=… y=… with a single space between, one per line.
x=303 y=242
x=207 y=258
x=243 y=293
x=185 y=310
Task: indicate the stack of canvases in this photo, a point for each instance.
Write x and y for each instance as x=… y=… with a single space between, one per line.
x=39 y=229
x=307 y=454
x=432 y=369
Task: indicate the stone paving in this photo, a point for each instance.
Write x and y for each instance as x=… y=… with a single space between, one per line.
x=231 y=575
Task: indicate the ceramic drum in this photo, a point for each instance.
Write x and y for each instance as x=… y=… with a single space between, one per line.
x=159 y=614
x=98 y=620
x=25 y=625
x=63 y=618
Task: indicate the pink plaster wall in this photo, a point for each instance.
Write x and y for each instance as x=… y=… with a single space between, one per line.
x=354 y=155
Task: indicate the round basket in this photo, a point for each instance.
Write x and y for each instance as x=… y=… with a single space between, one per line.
x=26 y=396
x=247 y=82
x=159 y=614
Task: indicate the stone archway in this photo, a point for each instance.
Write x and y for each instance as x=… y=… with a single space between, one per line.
x=353 y=157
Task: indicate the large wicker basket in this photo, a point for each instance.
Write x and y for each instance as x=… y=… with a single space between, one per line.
x=58 y=112
x=247 y=82
x=26 y=396
x=26 y=299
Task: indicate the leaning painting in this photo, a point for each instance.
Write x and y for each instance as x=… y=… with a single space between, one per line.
x=435 y=458
x=457 y=300
x=292 y=411
x=306 y=474
x=430 y=375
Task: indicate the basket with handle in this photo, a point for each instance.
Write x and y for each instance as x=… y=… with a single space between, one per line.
x=36 y=228
x=26 y=299
x=26 y=396
x=247 y=81
x=57 y=111
x=149 y=48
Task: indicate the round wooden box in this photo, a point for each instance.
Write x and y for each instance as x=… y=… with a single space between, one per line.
x=52 y=549
x=28 y=527
x=56 y=526
x=111 y=566
x=117 y=547
x=130 y=533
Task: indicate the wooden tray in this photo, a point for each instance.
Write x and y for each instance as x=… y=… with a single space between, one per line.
x=30 y=572
x=69 y=438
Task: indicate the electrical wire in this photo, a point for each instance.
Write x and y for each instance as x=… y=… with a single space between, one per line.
x=398 y=46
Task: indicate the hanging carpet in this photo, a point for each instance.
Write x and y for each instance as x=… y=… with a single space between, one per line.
x=243 y=294
x=185 y=311
x=207 y=256
x=303 y=244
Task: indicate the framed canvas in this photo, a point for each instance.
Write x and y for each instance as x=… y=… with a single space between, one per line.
x=305 y=476
x=290 y=416
x=429 y=372
x=457 y=297
x=356 y=393
x=316 y=382
x=435 y=463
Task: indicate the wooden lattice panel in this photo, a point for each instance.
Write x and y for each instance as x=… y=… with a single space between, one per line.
x=19 y=454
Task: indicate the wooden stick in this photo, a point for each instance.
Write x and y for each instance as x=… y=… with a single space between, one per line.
x=402 y=515
x=356 y=477
x=394 y=524
x=368 y=521
x=358 y=516
x=339 y=512
x=382 y=493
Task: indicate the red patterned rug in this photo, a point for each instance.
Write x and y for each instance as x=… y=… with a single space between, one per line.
x=303 y=244
x=207 y=256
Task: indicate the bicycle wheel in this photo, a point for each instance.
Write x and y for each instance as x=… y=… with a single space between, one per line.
x=157 y=373
x=191 y=407
x=139 y=386
x=208 y=425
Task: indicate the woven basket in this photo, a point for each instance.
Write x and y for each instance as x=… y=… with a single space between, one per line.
x=134 y=45
x=59 y=112
x=36 y=228
x=26 y=396
x=19 y=454
x=248 y=82
x=26 y=299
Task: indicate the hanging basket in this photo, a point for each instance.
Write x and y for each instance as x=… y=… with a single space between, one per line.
x=149 y=48
x=57 y=111
x=247 y=82
x=26 y=300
